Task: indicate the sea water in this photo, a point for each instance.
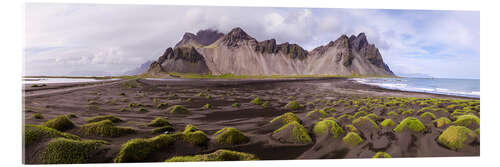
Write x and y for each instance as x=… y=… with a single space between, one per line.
x=457 y=87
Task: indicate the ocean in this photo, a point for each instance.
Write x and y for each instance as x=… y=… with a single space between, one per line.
x=457 y=87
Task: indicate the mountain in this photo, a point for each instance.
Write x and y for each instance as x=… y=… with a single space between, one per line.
x=211 y=52
x=139 y=70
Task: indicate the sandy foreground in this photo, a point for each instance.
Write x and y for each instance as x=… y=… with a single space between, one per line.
x=114 y=98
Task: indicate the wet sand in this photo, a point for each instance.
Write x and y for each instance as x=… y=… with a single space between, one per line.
x=253 y=120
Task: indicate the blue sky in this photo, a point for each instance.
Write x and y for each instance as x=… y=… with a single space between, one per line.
x=85 y=39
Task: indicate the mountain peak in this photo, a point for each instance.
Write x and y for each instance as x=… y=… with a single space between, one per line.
x=235 y=35
x=359 y=41
x=203 y=37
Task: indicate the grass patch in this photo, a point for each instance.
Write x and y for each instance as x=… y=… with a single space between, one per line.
x=286 y=118
x=105 y=128
x=294 y=105
x=112 y=118
x=382 y=155
x=352 y=139
x=163 y=129
x=387 y=122
x=455 y=136
x=61 y=123
x=328 y=126
x=158 y=122
x=231 y=136
x=466 y=120
x=292 y=132
x=410 y=123
x=37 y=116
x=219 y=155
x=34 y=133
x=178 y=109
x=440 y=122
x=428 y=114
x=68 y=151
x=257 y=101
x=137 y=150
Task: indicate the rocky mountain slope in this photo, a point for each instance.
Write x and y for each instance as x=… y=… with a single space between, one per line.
x=211 y=52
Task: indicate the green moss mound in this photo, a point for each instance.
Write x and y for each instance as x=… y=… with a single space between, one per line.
x=137 y=150
x=292 y=132
x=105 y=128
x=34 y=133
x=454 y=137
x=351 y=128
x=392 y=113
x=326 y=126
x=207 y=106
x=162 y=105
x=158 y=122
x=236 y=105
x=192 y=135
x=410 y=123
x=345 y=116
x=477 y=131
x=364 y=122
x=219 y=155
x=142 y=109
x=382 y=155
x=317 y=113
x=178 y=109
x=372 y=116
x=112 y=118
x=387 y=122
x=163 y=129
x=286 y=118
x=352 y=139
x=60 y=123
x=257 y=101
x=37 y=116
x=294 y=105
x=466 y=120
x=360 y=113
x=231 y=136
x=407 y=112
x=428 y=114
x=68 y=151
x=442 y=121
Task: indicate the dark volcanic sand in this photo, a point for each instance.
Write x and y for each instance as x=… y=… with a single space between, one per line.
x=252 y=119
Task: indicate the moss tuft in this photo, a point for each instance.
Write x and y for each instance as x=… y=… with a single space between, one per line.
x=142 y=110
x=163 y=129
x=178 y=109
x=382 y=155
x=359 y=113
x=292 y=132
x=440 y=122
x=407 y=112
x=392 y=113
x=61 y=123
x=320 y=113
x=37 y=116
x=105 y=128
x=265 y=104
x=428 y=114
x=286 y=118
x=34 y=133
x=162 y=105
x=231 y=136
x=364 y=121
x=466 y=120
x=219 y=155
x=236 y=105
x=207 y=106
x=387 y=122
x=352 y=139
x=112 y=118
x=477 y=131
x=68 y=151
x=351 y=128
x=455 y=136
x=137 y=150
x=158 y=122
x=294 y=105
x=410 y=123
x=328 y=125
x=257 y=101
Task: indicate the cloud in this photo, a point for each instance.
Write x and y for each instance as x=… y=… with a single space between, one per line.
x=62 y=39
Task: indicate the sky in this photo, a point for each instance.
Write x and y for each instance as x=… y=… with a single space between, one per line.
x=97 y=39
